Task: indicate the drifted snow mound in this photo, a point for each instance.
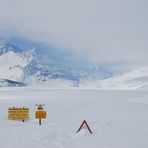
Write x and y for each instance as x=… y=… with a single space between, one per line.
x=137 y=79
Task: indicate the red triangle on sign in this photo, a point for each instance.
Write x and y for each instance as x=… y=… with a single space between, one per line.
x=84 y=123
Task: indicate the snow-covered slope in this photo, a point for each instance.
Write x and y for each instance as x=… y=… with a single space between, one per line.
x=133 y=80
x=12 y=65
x=6 y=46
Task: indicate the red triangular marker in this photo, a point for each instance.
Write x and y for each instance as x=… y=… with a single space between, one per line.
x=84 y=123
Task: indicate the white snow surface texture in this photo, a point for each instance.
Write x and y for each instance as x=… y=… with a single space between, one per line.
x=118 y=119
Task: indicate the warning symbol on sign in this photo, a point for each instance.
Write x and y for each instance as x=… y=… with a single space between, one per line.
x=84 y=125
x=40 y=107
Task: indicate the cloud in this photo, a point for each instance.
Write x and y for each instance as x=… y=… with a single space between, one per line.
x=100 y=30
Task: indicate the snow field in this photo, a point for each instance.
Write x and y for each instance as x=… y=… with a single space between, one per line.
x=117 y=119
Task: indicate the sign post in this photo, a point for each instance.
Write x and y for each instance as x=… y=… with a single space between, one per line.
x=40 y=121
x=40 y=114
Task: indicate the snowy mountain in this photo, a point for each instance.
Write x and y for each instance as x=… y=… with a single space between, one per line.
x=137 y=79
x=42 y=66
x=6 y=46
x=12 y=65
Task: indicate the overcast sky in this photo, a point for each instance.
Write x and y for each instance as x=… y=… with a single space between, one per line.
x=100 y=30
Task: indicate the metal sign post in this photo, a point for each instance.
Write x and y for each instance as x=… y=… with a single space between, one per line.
x=40 y=121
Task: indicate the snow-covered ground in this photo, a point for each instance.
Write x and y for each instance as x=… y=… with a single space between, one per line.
x=118 y=119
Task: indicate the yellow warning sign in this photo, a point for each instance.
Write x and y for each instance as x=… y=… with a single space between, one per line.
x=18 y=113
x=40 y=114
x=40 y=107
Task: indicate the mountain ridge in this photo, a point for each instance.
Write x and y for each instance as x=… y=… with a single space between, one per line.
x=43 y=65
x=136 y=79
